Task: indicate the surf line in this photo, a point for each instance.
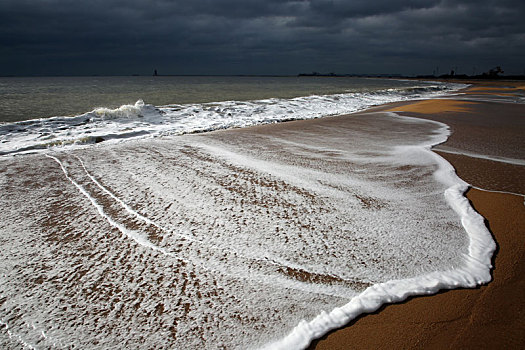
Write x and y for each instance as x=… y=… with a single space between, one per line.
x=476 y=268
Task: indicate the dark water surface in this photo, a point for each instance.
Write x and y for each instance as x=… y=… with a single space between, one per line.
x=23 y=98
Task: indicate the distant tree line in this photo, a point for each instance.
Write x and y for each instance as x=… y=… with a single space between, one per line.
x=493 y=73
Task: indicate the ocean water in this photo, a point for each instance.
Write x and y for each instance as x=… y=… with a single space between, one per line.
x=91 y=110
x=138 y=228
x=26 y=98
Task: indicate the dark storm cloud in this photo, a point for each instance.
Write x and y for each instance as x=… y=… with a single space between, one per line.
x=249 y=36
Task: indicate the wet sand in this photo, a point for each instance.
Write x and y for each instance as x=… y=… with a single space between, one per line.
x=485 y=317
x=152 y=242
x=491 y=316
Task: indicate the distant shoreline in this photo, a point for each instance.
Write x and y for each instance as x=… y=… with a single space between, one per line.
x=447 y=77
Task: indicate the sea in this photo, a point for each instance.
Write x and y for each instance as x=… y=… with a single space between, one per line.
x=165 y=212
x=39 y=113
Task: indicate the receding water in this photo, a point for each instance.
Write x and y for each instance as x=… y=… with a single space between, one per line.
x=120 y=230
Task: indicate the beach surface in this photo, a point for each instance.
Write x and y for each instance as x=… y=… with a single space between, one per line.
x=485 y=148
x=235 y=238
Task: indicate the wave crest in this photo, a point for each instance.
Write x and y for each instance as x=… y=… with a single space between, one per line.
x=141 y=119
x=138 y=110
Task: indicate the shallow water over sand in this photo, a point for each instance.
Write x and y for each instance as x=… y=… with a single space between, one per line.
x=227 y=239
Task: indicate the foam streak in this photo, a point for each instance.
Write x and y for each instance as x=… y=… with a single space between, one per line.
x=131 y=234
x=475 y=271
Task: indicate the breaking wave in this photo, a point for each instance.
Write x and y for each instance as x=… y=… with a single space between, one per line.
x=140 y=119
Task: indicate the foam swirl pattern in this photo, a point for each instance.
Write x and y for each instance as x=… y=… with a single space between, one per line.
x=234 y=239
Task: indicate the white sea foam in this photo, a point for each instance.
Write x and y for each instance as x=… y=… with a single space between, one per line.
x=143 y=241
x=19 y=341
x=475 y=270
x=141 y=120
x=132 y=234
x=231 y=239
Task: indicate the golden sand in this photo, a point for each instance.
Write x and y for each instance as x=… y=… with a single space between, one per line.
x=488 y=317
x=496 y=88
x=433 y=106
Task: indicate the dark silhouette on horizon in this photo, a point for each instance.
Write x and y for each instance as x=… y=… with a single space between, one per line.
x=495 y=73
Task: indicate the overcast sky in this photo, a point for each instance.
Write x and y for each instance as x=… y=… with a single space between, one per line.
x=120 y=37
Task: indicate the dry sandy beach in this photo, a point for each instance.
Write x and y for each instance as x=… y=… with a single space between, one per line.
x=491 y=316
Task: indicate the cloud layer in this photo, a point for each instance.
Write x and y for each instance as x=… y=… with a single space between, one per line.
x=260 y=37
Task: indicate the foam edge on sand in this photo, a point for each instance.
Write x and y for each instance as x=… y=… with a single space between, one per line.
x=475 y=271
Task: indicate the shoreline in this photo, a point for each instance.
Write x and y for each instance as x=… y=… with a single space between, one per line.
x=488 y=316
x=307 y=126
x=228 y=165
